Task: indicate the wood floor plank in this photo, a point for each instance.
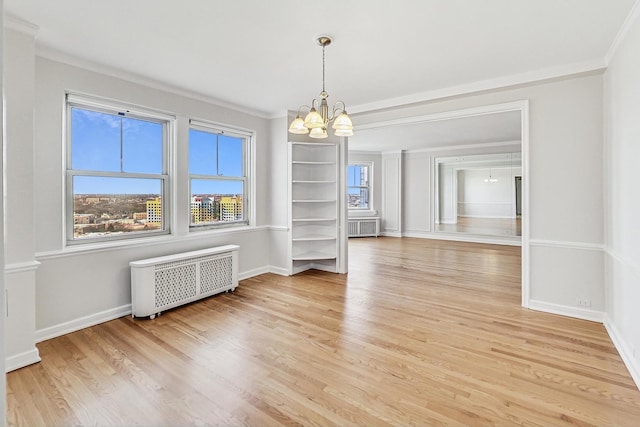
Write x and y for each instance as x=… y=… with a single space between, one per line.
x=420 y=332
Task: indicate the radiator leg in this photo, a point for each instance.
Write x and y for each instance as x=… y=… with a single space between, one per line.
x=153 y=316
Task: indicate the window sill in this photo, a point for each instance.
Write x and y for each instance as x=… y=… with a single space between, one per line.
x=357 y=213
x=164 y=239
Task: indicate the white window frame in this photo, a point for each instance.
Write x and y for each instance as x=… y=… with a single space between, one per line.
x=246 y=178
x=369 y=166
x=122 y=109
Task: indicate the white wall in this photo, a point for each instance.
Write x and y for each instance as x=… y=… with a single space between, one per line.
x=391 y=186
x=76 y=286
x=622 y=225
x=480 y=199
x=566 y=210
x=3 y=379
x=417 y=198
x=277 y=189
x=446 y=195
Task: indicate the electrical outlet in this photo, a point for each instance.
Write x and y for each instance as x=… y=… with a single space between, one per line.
x=583 y=302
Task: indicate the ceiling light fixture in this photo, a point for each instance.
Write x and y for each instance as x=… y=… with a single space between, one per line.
x=491 y=178
x=316 y=121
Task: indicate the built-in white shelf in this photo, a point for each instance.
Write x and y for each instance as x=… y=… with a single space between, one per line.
x=313 y=206
x=309 y=256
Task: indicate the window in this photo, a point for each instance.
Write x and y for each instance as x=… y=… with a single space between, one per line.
x=116 y=173
x=218 y=162
x=358 y=186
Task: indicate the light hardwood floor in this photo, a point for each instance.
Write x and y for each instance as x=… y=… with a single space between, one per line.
x=420 y=332
x=484 y=226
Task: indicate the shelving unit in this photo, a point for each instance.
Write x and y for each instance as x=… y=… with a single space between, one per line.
x=313 y=207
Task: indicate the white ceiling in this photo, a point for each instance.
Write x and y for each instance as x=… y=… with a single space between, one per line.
x=261 y=55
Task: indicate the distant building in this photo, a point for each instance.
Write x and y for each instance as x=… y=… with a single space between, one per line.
x=79 y=219
x=138 y=216
x=203 y=210
x=231 y=208
x=154 y=211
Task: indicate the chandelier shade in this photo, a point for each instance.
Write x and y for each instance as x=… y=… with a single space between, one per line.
x=343 y=122
x=320 y=116
x=297 y=126
x=314 y=120
x=318 y=133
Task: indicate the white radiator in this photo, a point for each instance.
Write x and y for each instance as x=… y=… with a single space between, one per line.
x=363 y=227
x=161 y=283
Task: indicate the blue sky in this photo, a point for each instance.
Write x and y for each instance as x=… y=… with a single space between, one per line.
x=353 y=178
x=112 y=143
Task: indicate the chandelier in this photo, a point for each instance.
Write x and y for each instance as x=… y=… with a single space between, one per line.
x=491 y=178
x=317 y=120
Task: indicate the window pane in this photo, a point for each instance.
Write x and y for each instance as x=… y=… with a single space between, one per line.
x=95 y=140
x=358 y=197
x=101 y=141
x=352 y=172
x=364 y=176
x=229 y=156
x=202 y=153
x=141 y=146
x=106 y=205
x=216 y=201
x=358 y=176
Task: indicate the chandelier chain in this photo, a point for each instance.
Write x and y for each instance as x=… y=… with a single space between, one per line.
x=323 y=90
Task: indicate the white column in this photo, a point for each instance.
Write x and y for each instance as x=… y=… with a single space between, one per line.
x=19 y=198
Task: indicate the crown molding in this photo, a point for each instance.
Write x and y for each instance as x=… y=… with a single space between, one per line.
x=365 y=152
x=445 y=115
x=441 y=148
x=484 y=85
x=500 y=144
x=20 y=25
x=58 y=56
x=622 y=33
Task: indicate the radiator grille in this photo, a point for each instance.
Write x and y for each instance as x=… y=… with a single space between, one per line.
x=176 y=282
x=165 y=282
x=368 y=228
x=361 y=227
x=353 y=228
x=216 y=274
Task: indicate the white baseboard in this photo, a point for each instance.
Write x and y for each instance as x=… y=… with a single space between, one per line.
x=82 y=322
x=462 y=237
x=565 y=310
x=255 y=272
x=390 y=234
x=21 y=360
x=418 y=234
x=262 y=270
x=623 y=349
x=278 y=270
